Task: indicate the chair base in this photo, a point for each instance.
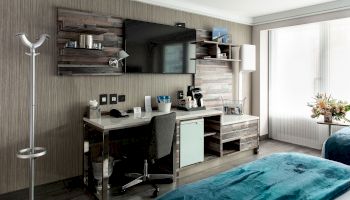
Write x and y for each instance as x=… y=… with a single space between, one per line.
x=145 y=177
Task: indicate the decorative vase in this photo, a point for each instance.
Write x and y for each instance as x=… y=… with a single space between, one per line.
x=328 y=117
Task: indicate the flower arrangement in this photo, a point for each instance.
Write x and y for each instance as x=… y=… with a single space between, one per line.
x=330 y=108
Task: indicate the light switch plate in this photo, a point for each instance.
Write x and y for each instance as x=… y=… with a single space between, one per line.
x=103 y=99
x=113 y=98
x=121 y=98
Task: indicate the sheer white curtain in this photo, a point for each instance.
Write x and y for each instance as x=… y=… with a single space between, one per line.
x=294 y=79
x=339 y=58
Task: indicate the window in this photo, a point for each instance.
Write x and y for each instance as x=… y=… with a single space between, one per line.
x=305 y=60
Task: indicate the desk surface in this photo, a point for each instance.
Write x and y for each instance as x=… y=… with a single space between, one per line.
x=111 y=123
x=232 y=119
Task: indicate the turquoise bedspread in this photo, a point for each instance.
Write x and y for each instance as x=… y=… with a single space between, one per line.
x=337 y=146
x=280 y=176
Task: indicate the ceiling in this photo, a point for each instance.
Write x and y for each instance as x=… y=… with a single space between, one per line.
x=242 y=11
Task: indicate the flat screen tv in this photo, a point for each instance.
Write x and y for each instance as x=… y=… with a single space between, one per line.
x=158 y=48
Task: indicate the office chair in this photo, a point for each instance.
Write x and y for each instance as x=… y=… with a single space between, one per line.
x=159 y=144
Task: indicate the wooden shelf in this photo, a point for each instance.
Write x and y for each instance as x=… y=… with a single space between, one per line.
x=217 y=59
x=209 y=156
x=229 y=151
x=211 y=133
x=88 y=29
x=215 y=43
x=78 y=48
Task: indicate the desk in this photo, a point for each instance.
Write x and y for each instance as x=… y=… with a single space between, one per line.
x=108 y=123
x=330 y=124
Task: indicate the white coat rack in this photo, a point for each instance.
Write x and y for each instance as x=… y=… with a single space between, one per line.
x=32 y=152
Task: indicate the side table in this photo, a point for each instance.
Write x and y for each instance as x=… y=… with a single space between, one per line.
x=334 y=123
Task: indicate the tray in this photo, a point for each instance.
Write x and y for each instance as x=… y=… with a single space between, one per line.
x=191 y=109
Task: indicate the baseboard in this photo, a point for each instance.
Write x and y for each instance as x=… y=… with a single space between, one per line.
x=264 y=137
x=40 y=190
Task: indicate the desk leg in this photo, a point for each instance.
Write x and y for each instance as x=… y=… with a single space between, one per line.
x=85 y=161
x=105 y=156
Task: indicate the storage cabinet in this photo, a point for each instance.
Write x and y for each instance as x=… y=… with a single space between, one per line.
x=191 y=142
x=239 y=135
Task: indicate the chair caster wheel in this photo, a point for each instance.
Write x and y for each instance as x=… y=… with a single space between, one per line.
x=155 y=193
x=256 y=151
x=122 y=191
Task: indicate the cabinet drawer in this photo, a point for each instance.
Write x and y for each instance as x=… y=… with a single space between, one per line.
x=237 y=134
x=239 y=126
x=246 y=143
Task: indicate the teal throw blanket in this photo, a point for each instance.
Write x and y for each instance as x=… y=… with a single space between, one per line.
x=281 y=176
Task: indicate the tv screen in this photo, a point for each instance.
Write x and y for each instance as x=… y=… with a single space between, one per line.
x=158 y=48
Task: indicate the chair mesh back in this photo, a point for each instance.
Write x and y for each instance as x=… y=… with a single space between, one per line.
x=162 y=134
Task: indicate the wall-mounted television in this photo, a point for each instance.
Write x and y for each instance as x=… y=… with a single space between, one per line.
x=158 y=48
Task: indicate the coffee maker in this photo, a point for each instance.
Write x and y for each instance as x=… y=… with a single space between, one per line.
x=198 y=96
x=192 y=101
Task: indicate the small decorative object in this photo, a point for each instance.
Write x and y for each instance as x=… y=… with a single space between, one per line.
x=95 y=45
x=82 y=42
x=218 y=52
x=114 y=62
x=164 y=103
x=94 y=110
x=89 y=41
x=328 y=117
x=99 y=45
x=222 y=55
x=137 y=112
x=148 y=104
x=180 y=24
x=233 y=107
x=227 y=39
x=71 y=44
x=97 y=171
x=219 y=34
x=188 y=102
x=330 y=108
x=194 y=103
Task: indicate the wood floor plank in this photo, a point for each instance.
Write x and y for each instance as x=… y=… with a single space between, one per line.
x=73 y=190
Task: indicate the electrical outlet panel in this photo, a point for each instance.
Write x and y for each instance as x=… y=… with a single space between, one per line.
x=103 y=99
x=121 y=98
x=113 y=99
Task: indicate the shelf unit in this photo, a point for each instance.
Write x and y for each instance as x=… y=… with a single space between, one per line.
x=209 y=48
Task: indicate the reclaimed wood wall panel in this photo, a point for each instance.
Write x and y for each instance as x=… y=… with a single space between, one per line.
x=215 y=79
x=61 y=100
x=105 y=29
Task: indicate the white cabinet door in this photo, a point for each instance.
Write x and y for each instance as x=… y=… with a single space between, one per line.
x=191 y=142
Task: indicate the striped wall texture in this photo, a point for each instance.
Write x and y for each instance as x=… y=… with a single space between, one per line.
x=61 y=100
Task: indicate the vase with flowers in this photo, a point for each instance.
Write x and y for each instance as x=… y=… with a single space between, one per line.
x=330 y=108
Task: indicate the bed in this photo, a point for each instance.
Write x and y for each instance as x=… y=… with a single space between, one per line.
x=279 y=176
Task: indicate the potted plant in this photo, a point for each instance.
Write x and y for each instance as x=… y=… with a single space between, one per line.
x=330 y=108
